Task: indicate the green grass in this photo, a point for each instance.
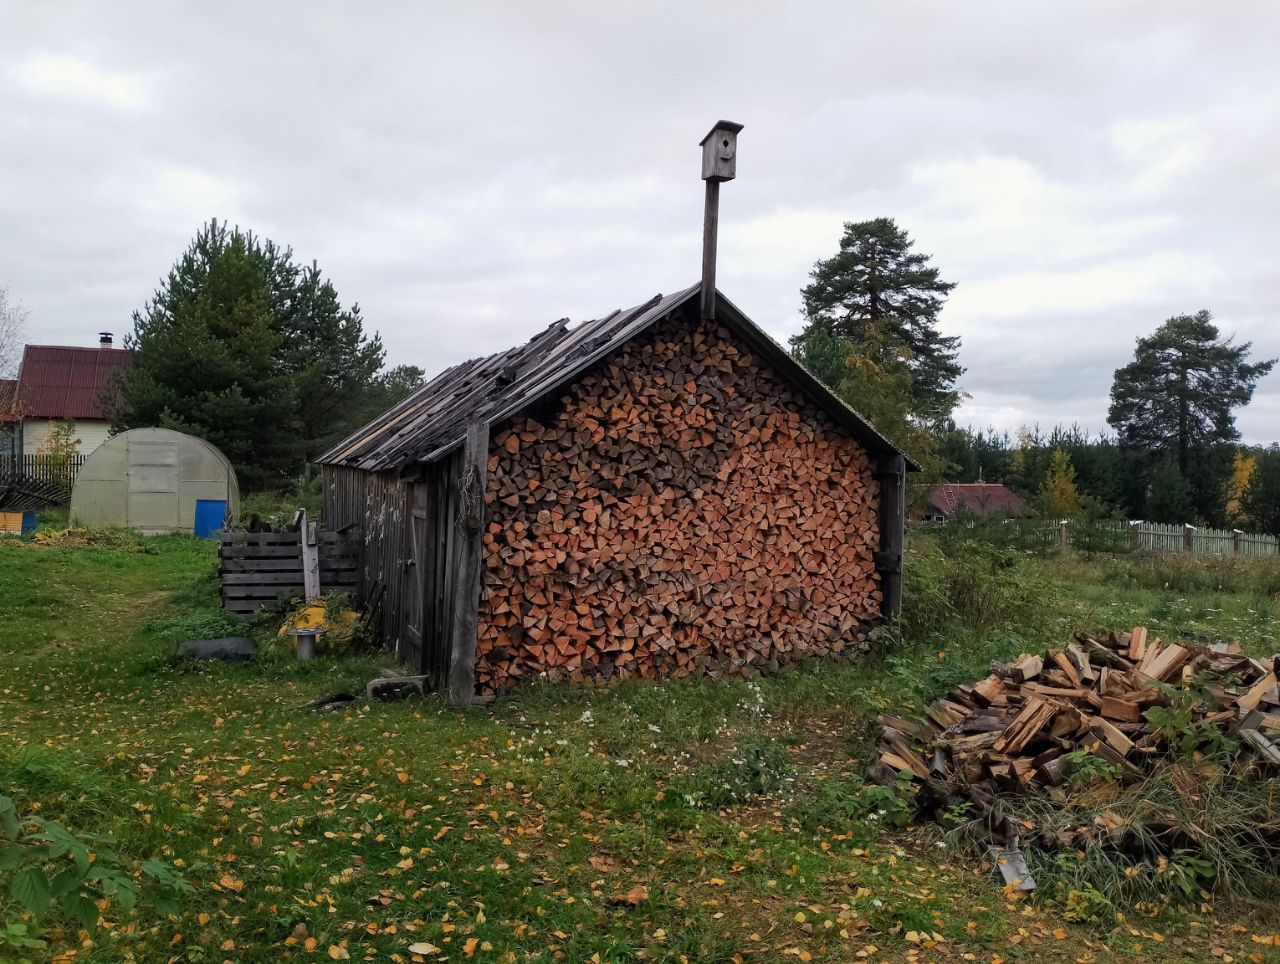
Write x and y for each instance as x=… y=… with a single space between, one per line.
x=527 y=827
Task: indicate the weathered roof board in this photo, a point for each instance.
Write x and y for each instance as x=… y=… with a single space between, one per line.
x=432 y=422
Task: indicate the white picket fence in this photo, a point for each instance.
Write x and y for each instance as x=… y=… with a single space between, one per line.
x=1164 y=537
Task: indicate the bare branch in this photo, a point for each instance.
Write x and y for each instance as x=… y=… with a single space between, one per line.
x=13 y=332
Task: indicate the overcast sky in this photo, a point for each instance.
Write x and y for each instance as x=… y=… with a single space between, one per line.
x=469 y=172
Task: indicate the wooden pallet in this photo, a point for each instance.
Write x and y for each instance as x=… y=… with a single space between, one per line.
x=265 y=568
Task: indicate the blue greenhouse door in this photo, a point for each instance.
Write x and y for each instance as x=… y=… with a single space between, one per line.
x=209 y=516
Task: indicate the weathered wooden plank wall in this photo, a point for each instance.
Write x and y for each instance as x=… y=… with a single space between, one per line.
x=262 y=568
x=374 y=504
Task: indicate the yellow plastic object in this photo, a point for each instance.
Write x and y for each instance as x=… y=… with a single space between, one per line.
x=339 y=629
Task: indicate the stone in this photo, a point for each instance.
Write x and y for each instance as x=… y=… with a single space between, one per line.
x=230 y=649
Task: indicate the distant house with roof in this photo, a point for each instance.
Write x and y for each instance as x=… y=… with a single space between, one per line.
x=56 y=383
x=973 y=498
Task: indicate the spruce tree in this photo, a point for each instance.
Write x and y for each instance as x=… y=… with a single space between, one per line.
x=242 y=347
x=333 y=365
x=1169 y=497
x=876 y=291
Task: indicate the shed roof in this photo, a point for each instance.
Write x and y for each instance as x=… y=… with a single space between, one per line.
x=433 y=421
x=980 y=498
x=56 y=381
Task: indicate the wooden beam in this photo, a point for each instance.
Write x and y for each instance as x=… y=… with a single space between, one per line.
x=468 y=563
x=710 y=226
x=892 y=473
x=310 y=559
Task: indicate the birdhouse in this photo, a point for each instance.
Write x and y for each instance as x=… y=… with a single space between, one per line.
x=720 y=152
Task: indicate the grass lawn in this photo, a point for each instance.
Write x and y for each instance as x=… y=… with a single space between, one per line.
x=693 y=821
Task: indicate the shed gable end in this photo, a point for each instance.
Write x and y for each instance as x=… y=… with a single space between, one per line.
x=682 y=507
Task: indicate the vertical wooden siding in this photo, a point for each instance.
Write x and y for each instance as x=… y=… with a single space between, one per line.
x=374 y=501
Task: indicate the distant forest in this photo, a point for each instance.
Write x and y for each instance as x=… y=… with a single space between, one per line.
x=871 y=334
x=1226 y=484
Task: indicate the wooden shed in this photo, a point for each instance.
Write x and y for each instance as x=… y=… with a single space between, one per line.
x=663 y=491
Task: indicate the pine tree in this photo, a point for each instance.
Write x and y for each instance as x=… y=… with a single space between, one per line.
x=1179 y=394
x=1059 y=498
x=875 y=291
x=334 y=366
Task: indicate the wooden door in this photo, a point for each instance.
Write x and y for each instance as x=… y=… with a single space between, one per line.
x=439 y=556
x=414 y=569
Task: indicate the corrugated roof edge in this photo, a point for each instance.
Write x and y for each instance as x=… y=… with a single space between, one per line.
x=642 y=318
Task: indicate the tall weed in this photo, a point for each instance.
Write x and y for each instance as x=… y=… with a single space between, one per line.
x=973 y=586
x=1184 y=573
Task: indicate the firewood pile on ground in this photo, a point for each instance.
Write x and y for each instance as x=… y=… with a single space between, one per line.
x=1129 y=700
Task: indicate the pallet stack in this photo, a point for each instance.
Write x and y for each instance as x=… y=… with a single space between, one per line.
x=684 y=511
x=1018 y=728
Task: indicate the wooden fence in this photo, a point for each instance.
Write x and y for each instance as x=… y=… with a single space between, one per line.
x=265 y=568
x=1164 y=537
x=1093 y=536
x=49 y=469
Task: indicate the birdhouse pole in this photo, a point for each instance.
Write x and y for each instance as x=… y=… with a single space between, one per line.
x=719 y=163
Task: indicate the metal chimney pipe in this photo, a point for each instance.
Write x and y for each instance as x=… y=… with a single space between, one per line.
x=104 y=339
x=719 y=163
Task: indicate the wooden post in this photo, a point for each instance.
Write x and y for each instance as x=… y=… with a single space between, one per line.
x=310 y=556
x=719 y=163
x=468 y=564
x=892 y=474
x=1237 y=541
x=1188 y=537
x=1063 y=541
x=710 y=225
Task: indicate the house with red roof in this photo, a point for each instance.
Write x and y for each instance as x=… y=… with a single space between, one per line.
x=57 y=383
x=973 y=498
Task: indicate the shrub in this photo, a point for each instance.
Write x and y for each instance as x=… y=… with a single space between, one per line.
x=52 y=869
x=1034 y=536
x=974 y=586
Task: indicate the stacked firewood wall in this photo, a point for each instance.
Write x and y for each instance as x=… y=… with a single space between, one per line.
x=683 y=511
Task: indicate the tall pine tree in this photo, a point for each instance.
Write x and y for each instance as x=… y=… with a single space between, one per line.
x=876 y=291
x=1179 y=394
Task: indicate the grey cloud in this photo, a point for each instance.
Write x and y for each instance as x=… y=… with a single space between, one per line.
x=469 y=172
